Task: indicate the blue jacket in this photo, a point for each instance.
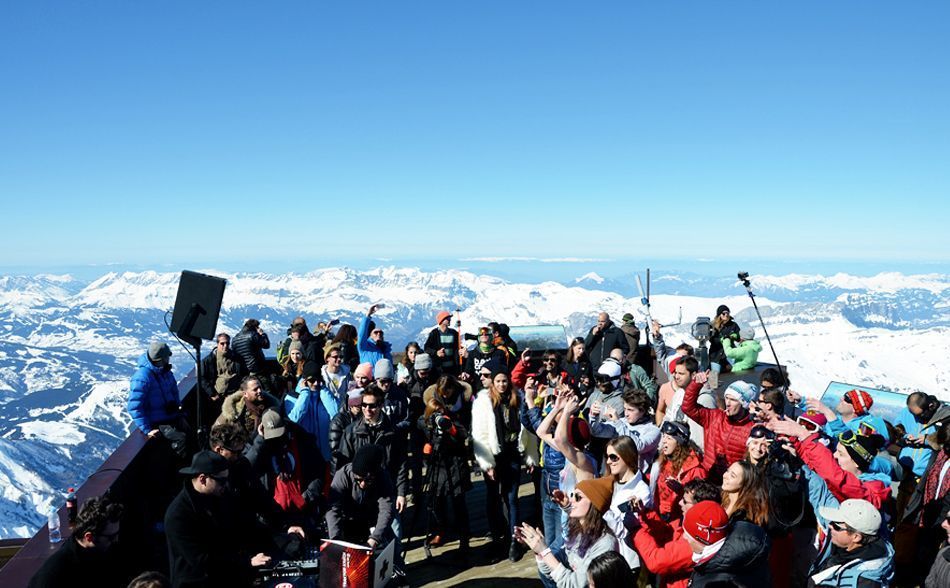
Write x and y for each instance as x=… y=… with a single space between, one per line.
x=878 y=569
x=312 y=411
x=153 y=396
x=837 y=426
x=914 y=458
x=369 y=350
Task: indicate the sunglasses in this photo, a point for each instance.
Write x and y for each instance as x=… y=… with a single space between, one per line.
x=838 y=526
x=370 y=405
x=602 y=378
x=612 y=457
x=333 y=357
x=550 y=360
x=577 y=496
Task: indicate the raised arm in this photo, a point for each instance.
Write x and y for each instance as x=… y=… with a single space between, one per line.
x=691 y=406
x=584 y=467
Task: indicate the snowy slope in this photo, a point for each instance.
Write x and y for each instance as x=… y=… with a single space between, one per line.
x=67 y=347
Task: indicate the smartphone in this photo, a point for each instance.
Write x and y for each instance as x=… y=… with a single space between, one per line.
x=380 y=306
x=624 y=507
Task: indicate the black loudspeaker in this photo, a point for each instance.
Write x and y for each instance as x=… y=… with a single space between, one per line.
x=197 y=306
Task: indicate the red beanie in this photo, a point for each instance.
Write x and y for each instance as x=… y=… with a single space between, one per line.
x=860 y=400
x=706 y=522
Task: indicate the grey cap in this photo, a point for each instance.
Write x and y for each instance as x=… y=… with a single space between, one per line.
x=158 y=350
x=422 y=362
x=273 y=424
x=383 y=370
x=747 y=333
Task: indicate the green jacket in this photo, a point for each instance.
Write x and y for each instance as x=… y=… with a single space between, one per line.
x=744 y=356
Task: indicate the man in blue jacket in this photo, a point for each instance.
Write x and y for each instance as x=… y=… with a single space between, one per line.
x=370 y=342
x=153 y=392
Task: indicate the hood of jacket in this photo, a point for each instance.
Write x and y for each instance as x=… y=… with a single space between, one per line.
x=233 y=404
x=876 y=477
x=144 y=362
x=751 y=344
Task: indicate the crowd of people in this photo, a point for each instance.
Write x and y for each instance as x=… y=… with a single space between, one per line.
x=676 y=485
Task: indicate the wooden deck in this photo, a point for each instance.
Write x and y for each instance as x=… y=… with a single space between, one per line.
x=445 y=568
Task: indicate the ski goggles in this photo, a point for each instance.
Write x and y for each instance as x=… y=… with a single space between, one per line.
x=850 y=440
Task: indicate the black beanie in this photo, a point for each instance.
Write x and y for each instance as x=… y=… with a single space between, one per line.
x=863 y=455
x=722 y=308
x=368 y=460
x=311 y=370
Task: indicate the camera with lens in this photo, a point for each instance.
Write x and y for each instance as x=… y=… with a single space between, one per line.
x=781 y=463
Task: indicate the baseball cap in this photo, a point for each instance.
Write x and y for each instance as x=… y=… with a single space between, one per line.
x=857 y=513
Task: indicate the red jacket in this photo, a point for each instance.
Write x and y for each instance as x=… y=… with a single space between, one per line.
x=842 y=485
x=673 y=560
x=667 y=499
x=723 y=439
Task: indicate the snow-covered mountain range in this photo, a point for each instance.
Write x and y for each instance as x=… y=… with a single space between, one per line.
x=68 y=346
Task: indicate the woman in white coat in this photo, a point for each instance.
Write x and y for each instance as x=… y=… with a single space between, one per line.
x=495 y=432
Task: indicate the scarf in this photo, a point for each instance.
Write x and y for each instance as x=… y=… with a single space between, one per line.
x=709 y=551
x=286 y=469
x=931 y=490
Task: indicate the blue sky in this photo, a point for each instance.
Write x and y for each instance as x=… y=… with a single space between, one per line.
x=240 y=132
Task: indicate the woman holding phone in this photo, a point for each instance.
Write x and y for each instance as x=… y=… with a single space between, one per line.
x=588 y=536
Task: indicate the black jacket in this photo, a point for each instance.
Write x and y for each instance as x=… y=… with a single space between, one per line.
x=450 y=363
x=249 y=346
x=74 y=565
x=933 y=513
x=312 y=467
x=743 y=560
x=359 y=433
x=203 y=537
x=477 y=358
x=209 y=372
x=716 y=352
x=338 y=425
x=351 y=506
x=396 y=407
x=600 y=345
